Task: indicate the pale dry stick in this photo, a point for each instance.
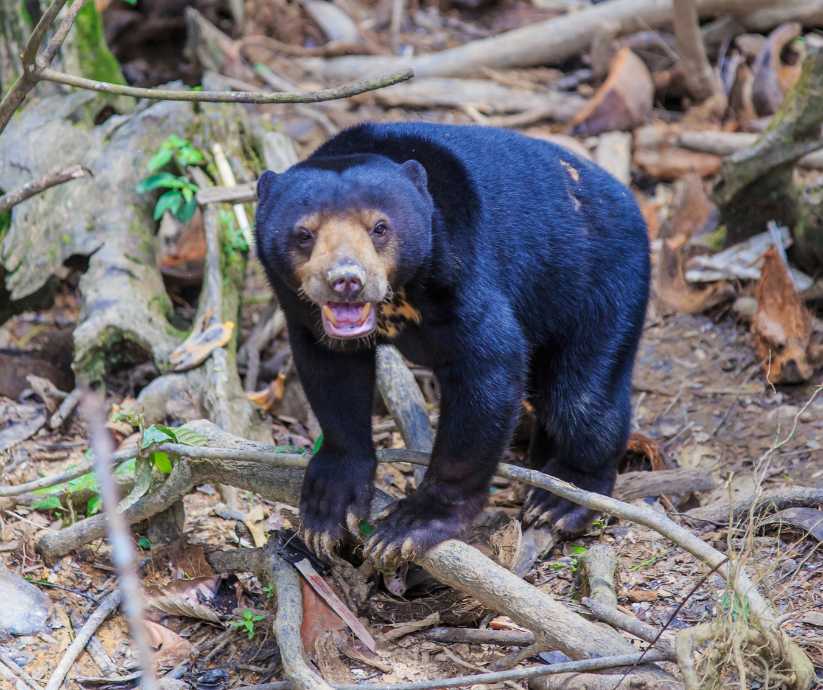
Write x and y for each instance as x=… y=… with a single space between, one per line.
x=227 y=178
x=81 y=639
x=9 y=664
x=65 y=411
x=51 y=179
x=623 y=621
x=9 y=675
x=123 y=554
x=599 y=565
x=598 y=664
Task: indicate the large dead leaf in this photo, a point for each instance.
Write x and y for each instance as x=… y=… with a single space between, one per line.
x=187 y=598
x=318 y=618
x=169 y=648
x=207 y=336
x=692 y=210
x=782 y=326
x=623 y=101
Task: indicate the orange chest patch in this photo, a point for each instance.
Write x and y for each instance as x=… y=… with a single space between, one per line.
x=392 y=317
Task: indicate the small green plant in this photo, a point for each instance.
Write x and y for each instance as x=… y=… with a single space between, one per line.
x=268 y=590
x=159 y=433
x=247 y=621
x=179 y=197
x=233 y=238
x=572 y=561
x=647 y=562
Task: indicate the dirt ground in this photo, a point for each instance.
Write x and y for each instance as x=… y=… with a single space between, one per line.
x=699 y=393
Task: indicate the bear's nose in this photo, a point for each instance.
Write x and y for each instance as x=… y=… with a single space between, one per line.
x=347 y=280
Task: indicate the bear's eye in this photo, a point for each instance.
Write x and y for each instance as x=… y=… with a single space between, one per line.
x=380 y=229
x=304 y=237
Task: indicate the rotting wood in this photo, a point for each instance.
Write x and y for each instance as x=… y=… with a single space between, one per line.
x=599 y=566
x=756 y=184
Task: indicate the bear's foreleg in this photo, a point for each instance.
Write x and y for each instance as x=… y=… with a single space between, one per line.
x=337 y=488
x=480 y=403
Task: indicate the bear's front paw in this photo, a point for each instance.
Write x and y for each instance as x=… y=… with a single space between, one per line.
x=544 y=509
x=410 y=527
x=336 y=496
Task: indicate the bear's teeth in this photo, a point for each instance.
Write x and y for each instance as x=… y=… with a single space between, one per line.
x=328 y=312
x=364 y=312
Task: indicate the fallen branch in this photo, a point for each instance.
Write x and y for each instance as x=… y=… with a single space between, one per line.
x=599 y=564
x=598 y=664
x=622 y=621
x=110 y=603
x=20 y=674
x=52 y=179
x=571 y=34
x=122 y=547
x=770 y=501
x=510 y=638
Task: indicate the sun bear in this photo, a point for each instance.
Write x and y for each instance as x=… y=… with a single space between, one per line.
x=513 y=268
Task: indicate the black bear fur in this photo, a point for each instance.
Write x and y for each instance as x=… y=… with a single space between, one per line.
x=529 y=269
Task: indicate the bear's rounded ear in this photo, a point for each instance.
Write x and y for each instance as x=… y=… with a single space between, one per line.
x=264 y=185
x=417 y=174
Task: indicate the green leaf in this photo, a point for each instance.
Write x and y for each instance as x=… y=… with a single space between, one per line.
x=93 y=505
x=157 y=181
x=366 y=528
x=50 y=503
x=157 y=433
x=168 y=201
x=175 y=142
x=578 y=550
x=318 y=444
x=161 y=461
x=190 y=155
x=184 y=214
x=187 y=193
x=190 y=437
x=160 y=159
x=144 y=543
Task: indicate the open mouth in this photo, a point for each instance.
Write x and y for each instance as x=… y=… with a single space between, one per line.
x=348 y=319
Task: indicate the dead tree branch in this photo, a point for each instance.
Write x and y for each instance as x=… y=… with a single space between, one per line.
x=52 y=179
x=81 y=639
x=36 y=68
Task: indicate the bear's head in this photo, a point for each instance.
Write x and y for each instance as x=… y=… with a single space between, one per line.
x=345 y=232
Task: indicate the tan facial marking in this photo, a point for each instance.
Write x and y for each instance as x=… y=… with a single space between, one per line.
x=343 y=237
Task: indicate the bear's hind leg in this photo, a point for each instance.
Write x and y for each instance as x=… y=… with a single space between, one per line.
x=579 y=438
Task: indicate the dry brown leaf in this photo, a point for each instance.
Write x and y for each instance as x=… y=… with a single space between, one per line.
x=200 y=344
x=782 y=326
x=622 y=102
x=639 y=595
x=643 y=453
x=691 y=210
x=318 y=617
x=187 y=598
x=327 y=656
x=674 y=163
x=169 y=648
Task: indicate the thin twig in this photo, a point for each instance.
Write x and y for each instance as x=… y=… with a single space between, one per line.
x=123 y=554
x=622 y=621
x=599 y=664
x=78 y=644
x=330 y=94
x=51 y=179
x=21 y=674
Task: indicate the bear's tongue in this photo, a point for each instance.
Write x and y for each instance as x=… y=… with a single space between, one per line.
x=348 y=320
